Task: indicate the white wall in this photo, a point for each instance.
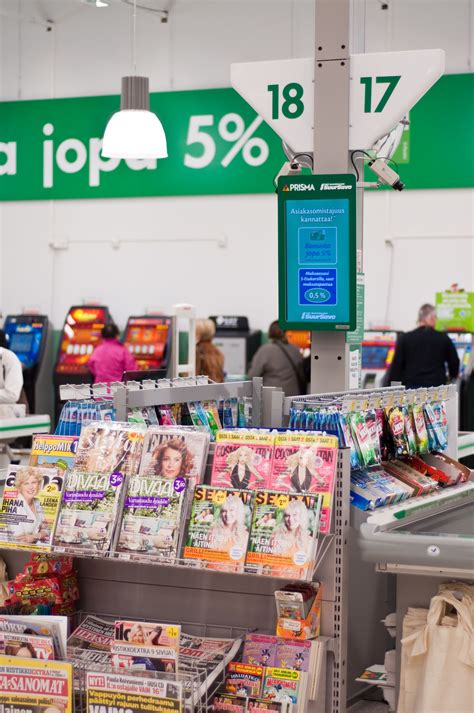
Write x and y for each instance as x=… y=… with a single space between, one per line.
x=88 y=51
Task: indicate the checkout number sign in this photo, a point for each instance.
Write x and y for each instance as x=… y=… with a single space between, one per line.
x=317 y=252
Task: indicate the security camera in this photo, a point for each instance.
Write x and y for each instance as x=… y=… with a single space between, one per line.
x=289 y=168
x=386 y=174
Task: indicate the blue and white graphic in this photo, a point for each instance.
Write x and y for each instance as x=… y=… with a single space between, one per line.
x=317 y=245
x=318 y=286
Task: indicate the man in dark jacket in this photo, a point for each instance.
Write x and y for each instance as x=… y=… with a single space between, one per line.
x=424 y=357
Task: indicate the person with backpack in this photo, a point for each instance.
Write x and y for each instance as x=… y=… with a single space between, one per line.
x=279 y=363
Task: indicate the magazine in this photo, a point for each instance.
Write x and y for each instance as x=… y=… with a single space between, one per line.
x=294 y=655
x=92 y=633
x=146 y=646
x=110 y=447
x=262 y=706
x=231 y=703
x=283 y=536
x=53 y=627
x=243 y=679
x=30 y=506
x=243 y=460
x=175 y=453
x=281 y=685
x=207 y=655
x=112 y=692
x=219 y=527
x=307 y=463
x=88 y=511
x=151 y=517
x=26 y=646
x=260 y=649
x=34 y=686
x=50 y=451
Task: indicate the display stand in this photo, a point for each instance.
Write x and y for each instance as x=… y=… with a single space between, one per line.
x=220 y=599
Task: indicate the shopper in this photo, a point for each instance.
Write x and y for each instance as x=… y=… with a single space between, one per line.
x=11 y=379
x=209 y=359
x=110 y=358
x=424 y=357
x=279 y=363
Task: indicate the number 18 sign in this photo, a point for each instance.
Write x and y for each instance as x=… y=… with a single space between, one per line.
x=317 y=252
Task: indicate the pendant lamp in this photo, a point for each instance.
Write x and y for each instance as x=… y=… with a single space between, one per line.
x=134 y=131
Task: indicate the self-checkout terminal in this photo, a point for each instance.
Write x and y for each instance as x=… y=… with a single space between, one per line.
x=29 y=337
x=81 y=333
x=237 y=342
x=148 y=338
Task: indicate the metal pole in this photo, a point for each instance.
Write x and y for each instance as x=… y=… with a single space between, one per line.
x=329 y=351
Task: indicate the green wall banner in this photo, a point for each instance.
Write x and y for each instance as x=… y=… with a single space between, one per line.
x=217 y=144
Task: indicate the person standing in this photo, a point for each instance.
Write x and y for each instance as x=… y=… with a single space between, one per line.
x=11 y=379
x=110 y=358
x=424 y=357
x=279 y=363
x=209 y=359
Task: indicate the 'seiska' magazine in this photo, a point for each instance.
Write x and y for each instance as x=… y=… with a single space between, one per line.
x=283 y=536
x=219 y=527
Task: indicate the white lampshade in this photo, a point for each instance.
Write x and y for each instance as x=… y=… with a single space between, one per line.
x=134 y=131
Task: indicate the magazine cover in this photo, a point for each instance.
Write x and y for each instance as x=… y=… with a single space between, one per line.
x=242 y=460
x=151 y=517
x=244 y=679
x=92 y=633
x=30 y=506
x=112 y=692
x=50 y=451
x=34 y=686
x=54 y=627
x=205 y=649
x=307 y=463
x=294 y=655
x=281 y=685
x=88 y=511
x=219 y=526
x=283 y=536
x=175 y=453
x=26 y=646
x=228 y=703
x=110 y=447
x=262 y=706
x=260 y=649
x=139 y=645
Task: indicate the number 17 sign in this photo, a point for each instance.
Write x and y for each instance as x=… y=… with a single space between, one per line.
x=384 y=87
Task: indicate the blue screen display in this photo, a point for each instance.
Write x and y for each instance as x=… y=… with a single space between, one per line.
x=25 y=340
x=318 y=260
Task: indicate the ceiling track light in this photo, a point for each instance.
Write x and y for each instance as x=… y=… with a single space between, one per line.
x=134 y=132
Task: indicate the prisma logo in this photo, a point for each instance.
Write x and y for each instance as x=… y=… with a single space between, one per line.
x=302 y=187
x=335 y=187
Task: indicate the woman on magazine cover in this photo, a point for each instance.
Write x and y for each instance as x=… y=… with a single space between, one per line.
x=171 y=459
x=303 y=468
x=30 y=522
x=229 y=531
x=293 y=535
x=241 y=468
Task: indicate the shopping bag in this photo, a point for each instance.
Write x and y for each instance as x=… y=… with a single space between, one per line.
x=437 y=668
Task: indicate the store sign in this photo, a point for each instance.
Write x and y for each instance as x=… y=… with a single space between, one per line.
x=317 y=252
x=384 y=87
x=455 y=311
x=216 y=144
x=50 y=149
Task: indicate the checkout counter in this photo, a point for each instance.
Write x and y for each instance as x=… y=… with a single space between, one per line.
x=237 y=342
